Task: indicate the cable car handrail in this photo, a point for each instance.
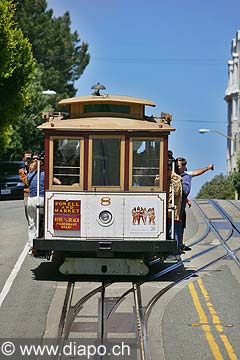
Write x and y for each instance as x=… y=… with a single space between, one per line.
x=144 y=175
x=66 y=167
x=146 y=167
x=73 y=175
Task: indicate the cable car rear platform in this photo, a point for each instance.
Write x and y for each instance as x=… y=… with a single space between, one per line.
x=102 y=247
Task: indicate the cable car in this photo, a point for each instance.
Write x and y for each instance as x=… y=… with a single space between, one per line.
x=109 y=215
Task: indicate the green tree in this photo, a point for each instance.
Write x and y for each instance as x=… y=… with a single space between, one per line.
x=16 y=67
x=24 y=134
x=59 y=52
x=220 y=187
x=61 y=59
x=236 y=179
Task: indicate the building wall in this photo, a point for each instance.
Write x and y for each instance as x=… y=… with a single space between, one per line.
x=232 y=97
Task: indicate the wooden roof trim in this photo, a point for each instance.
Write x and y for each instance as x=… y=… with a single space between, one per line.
x=105 y=124
x=106 y=98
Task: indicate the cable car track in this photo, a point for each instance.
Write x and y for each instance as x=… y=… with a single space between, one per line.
x=223 y=242
x=210 y=227
x=69 y=313
x=143 y=312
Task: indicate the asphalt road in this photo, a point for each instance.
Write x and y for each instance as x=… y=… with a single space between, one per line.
x=186 y=323
x=24 y=311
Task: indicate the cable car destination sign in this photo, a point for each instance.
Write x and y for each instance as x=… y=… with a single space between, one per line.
x=66 y=215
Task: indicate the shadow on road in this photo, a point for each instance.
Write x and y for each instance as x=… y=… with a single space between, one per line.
x=49 y=271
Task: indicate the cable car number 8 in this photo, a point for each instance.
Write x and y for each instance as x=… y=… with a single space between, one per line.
x=105 y=201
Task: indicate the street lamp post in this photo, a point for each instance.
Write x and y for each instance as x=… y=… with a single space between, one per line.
x=234 y=139
x=203 y=131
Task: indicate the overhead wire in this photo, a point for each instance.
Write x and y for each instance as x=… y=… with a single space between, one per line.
x=161 y=60
x=201 y=121
x=152 y=60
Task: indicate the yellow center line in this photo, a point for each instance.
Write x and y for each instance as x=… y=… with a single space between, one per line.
x=206 y=328
x=217 y=322
x=228 y=347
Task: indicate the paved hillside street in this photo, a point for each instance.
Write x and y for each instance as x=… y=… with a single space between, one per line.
x=33 y=304
x=119 y=180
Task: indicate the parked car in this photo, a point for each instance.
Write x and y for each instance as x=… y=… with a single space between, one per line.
x=11 y=186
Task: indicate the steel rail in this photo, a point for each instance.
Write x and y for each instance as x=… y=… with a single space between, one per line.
x=175 y=265
x=65 y=309
x=102 y=311
x=66 y=305
x=202 y=237
x=230 y=252
x=74 y=310
x=153 y=301
x=136 y=287
x=142 y=332
x=221 y=211
x=234 y=204
x=210 y=227
x=219 y=207
x=164 y=271
x=143 y=316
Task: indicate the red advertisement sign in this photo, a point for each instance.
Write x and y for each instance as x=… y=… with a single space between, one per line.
x=66 y=214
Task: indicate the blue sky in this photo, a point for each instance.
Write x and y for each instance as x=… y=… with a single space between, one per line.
x=171 y=52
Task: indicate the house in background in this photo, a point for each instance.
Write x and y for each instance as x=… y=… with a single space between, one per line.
x=232 y=97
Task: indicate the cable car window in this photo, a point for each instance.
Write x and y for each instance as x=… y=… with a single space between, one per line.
x=106 y=162
x=124 y=109
x=146 y=162
x=66 y=164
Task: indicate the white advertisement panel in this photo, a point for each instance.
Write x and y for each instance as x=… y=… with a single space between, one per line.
x=88 y=215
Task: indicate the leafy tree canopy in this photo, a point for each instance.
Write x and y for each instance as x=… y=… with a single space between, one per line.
x=16 y=66
x=60 y=60
x=220 y=187
x=24 y=133
x=59 y=52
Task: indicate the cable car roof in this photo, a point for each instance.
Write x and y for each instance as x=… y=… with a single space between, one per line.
x=105 y=124
x=107 y=98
